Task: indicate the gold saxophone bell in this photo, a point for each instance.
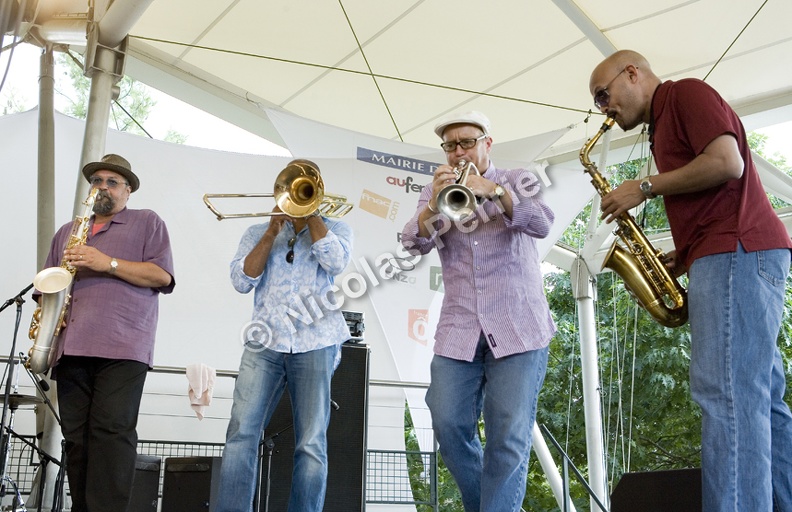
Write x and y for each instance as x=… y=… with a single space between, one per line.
x=457 y=201
x=298 y=192
x=638 y=263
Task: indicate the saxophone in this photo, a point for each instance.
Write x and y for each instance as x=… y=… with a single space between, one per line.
x=640 y=265
x=55 y=285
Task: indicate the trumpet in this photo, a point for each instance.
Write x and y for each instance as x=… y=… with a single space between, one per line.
x=458 y=201
x=298 y=192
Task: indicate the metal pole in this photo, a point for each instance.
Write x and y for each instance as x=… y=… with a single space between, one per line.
x=46 y=156
x=584 y=295
x=46 y=424
x=554 y=479
x=103 y=78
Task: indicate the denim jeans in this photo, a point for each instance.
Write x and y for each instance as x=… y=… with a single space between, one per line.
x=491 y=479
x=737 y=378
x=263 y=376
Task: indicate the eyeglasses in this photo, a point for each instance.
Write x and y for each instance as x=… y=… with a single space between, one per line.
x=290 y=254
x=96 y=182
x=602 y=97
x=451 y=145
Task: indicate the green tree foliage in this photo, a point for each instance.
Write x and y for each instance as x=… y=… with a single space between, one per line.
x=14 y=102
x=448 y=496
x=175 y=137
x=128 y=111
x=651 y=423
x=650 y=420
x=757 y=142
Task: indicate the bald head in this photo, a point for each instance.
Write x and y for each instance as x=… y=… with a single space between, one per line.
x=623 y=84
x=616 y=62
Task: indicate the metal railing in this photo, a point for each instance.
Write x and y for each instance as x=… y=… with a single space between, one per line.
x=566 y=465
x=392 y=477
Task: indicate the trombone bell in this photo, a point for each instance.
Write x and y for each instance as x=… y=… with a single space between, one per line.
x=298 y=192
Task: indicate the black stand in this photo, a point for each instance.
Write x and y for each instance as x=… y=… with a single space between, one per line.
x=11 y=401
x=44 y=457
x=267 y=444
x=6 y=445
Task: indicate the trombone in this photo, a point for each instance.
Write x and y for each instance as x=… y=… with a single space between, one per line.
x=298 y=192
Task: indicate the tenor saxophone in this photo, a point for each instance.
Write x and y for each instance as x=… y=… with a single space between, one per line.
x=55 y=285
x=638 y=263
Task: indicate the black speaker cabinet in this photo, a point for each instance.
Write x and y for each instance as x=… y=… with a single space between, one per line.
x=346 y=440
x=677 y=490
x=190 y=484
x=145 y=486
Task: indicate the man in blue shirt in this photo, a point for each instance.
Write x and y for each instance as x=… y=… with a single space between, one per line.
x=294 y=340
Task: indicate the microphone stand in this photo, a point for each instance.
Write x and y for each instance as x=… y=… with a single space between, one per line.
x=269 y=444
x=18 y=300
x=42 y=387
x=45 y=459
x=57 y=502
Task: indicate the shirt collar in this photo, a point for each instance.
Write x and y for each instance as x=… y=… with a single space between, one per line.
x=490 y=170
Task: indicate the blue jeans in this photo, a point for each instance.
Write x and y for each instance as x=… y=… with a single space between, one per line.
x=263 y=376
x=737 y=378
x=491 y=479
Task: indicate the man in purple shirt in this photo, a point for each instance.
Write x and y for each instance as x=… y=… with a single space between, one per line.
x=106 y=345
x=491 y=342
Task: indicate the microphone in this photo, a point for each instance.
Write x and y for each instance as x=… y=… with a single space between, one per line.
x=27 y=289
x=42 y=384
x=334 y=405
x=18 y=298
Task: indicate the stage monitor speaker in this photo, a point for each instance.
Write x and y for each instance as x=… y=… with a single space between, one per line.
x=677 y=490
x=190 y=484
x=346 y=440
x=145 y=486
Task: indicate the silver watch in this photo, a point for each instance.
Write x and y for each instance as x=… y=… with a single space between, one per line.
x=646 y=188
x=113 y=266
x=499 y=191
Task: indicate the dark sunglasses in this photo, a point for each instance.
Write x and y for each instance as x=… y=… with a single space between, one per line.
x=602 y=97
x=290 y=254
x=96 y=182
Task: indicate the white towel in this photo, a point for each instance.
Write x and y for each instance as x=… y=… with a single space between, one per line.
x=201 y=382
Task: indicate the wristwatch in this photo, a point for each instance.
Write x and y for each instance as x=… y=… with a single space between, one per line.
x=113 y=266
x=646 y=188
x=499 y=191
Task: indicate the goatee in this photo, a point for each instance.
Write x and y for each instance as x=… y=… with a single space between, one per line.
x=104 y=204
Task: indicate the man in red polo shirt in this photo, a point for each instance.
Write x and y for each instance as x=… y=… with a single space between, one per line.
x=736 y=253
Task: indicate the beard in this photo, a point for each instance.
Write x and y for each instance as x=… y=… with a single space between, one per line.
x=104 y=204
